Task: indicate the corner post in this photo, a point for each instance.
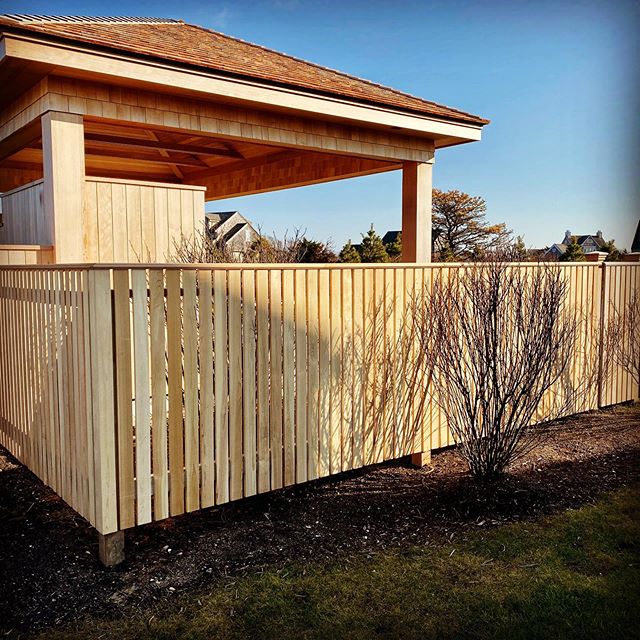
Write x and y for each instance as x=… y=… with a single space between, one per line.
x=417 y=185
x=64 y=176
x=111 y=548
x=103 y=416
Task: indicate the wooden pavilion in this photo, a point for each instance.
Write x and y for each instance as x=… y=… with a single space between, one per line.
x=115 y=131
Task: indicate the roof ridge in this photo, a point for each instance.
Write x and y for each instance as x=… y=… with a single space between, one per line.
x=26 y=18
x=331 y=69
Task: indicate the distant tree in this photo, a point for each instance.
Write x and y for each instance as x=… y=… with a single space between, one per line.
x=372 y=248
x=613 y=255
x=394 y=249
x=349 y=253
x=519 y=251
x=459 y=223
x=445 y=254
x=314 y=251
x=573 y=253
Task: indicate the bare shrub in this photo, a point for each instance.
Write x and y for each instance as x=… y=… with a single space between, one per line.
x=622 y=339
x=203 y=248
x=500 y=342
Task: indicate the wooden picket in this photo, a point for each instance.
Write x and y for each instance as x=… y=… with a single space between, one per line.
x=139 y=392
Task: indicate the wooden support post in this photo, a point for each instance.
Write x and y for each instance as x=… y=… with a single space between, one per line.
x=111 y=548
x=421 y=459
x=416 y=211
x=416 y=233
x=64 y=174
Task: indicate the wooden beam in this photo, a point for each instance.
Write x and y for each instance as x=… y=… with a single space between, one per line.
x=131 y=175
x=287 y=172
x=177 y=172
x=164 y=146
x=96 y=154
x=20 y=139
x=21 y=165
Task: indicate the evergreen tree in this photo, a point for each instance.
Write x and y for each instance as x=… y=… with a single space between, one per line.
x=519 y=250
x=372 y=248
x=312 y=251
x=574 y=253
x=394 y=249
x=349 y=253
x=612 y=251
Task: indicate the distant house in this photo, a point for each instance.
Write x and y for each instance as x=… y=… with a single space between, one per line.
x=390 y=237
x=232 y=228
x=587 y=242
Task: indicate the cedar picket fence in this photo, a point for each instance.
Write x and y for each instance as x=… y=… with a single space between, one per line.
x=140 y=392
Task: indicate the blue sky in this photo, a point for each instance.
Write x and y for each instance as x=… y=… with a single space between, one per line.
x=559 y=80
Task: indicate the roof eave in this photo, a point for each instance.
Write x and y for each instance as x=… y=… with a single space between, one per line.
x=100 y=61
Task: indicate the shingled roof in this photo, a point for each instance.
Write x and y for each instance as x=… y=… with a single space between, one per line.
x=187 y=44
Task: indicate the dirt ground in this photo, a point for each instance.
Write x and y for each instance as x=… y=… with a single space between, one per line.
x=49 y=572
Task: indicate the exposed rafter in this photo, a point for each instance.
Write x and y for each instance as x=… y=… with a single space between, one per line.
x=97 y=153
x=165 y=146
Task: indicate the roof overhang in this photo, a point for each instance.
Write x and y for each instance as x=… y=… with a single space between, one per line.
x=22 y=53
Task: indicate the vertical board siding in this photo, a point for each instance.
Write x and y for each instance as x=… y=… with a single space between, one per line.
x=23 y=217
x=140 y=393
x=134 y=221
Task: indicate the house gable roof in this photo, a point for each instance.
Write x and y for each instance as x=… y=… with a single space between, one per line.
x=597 y=240
x=192 y=45
x=635 y=245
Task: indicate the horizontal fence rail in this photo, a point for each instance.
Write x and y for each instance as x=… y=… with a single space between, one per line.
x=140 y=392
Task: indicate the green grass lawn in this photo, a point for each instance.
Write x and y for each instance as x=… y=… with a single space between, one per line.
x=573 y=575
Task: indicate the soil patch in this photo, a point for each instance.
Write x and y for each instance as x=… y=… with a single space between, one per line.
x=49 y=572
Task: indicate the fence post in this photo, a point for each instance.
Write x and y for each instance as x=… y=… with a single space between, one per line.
x=602 y=333
x=103 y=412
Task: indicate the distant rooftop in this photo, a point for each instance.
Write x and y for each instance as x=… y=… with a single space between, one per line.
x=635 y=245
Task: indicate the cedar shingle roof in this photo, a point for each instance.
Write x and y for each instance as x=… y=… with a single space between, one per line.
x=196 y=46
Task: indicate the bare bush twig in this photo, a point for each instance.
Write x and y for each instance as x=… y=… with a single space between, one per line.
x=500 y=341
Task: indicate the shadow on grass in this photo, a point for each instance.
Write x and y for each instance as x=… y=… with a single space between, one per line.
x=573 y=575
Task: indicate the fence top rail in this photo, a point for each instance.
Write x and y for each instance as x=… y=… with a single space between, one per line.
x=212 y=266
x=25 y=247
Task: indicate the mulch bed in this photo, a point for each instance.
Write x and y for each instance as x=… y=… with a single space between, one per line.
x=49 y=572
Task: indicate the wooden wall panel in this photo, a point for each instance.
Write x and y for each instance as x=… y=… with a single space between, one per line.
x=23 y=216
x=133 y=221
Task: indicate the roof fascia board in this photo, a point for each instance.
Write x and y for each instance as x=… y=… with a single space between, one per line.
x=155 y=73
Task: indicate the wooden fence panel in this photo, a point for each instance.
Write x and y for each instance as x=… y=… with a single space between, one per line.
x=142 y=392
x=621 y=281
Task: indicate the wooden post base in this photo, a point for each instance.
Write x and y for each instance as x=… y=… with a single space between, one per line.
x=421 y=459
x=111 y=548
